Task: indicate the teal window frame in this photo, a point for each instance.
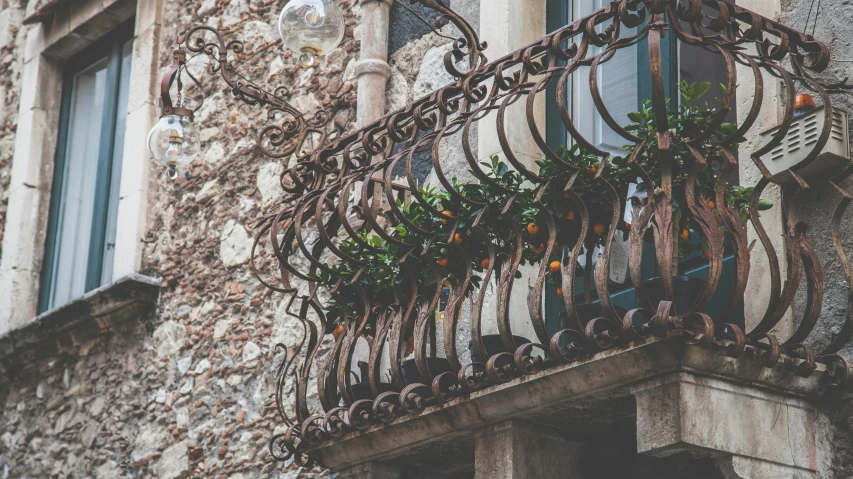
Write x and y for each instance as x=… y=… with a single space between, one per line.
x=559 y=15
x=108 y=179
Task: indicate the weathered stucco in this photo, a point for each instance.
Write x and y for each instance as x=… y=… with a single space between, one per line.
x=832 y=26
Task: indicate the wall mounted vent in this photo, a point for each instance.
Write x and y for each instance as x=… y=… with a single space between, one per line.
x=800 y=141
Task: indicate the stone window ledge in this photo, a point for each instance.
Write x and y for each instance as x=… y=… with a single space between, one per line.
x=95 y=313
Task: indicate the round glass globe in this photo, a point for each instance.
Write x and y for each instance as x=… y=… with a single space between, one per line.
x=173 y=141
x=311 y=27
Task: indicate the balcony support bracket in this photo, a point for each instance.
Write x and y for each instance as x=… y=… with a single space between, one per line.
x=750 y=431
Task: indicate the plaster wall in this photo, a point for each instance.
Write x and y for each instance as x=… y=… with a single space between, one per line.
x=815 y=207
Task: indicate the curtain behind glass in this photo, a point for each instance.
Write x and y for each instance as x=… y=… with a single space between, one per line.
x=77 y=199
x=617 y=83
x=118 y=151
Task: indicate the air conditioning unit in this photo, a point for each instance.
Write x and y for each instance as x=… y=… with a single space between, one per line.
x=800 y=141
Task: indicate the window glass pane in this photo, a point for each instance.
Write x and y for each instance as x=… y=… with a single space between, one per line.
x=118 y=151
x=74 y=225
x=617 y=83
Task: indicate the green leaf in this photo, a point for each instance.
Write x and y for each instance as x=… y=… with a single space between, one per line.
x=764 y=205
x=699 y=89
x=502 y=169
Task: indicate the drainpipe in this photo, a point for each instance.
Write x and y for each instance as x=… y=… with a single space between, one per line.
x=372 y=69
x=372 y=72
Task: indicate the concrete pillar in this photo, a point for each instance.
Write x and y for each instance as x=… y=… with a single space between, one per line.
x=517 y=450
x=371 y=470
x=751 y=432
x=372 y=69
x=756 y=297
x=507 y=25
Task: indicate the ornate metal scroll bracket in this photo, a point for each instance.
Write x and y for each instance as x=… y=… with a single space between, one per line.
x=289 y=132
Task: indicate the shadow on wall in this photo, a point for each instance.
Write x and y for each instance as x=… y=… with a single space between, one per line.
x=405 y=28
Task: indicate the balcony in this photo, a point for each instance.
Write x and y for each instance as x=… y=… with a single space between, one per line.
x=404 y=276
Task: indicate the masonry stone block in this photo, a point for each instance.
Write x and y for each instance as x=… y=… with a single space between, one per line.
x=10 y=20
x=683 y=412
x=516 y=450
x=32 y=165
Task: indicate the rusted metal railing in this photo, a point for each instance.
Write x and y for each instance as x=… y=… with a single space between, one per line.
x=345 y=213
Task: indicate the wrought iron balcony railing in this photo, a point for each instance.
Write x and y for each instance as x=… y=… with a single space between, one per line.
x=369 y=259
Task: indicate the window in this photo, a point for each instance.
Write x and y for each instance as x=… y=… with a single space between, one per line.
x=624 y=83
x=84 y=201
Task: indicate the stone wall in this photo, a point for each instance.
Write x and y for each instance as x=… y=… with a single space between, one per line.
x=815 y=208
x=188 y=390
x=11 y=58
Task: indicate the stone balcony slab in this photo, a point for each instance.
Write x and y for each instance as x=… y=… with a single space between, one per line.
x=578 y=398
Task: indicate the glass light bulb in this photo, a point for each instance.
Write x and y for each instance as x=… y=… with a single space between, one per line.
x=174 y=154
x=315 y=18
x=173 y=142
x=311 y=27
x=306 y=59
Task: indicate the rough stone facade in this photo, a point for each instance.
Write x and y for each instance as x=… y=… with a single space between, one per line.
x=830 y=22
x=11 y=57
x=188 y=390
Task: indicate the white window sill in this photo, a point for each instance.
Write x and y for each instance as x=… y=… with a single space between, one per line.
x=93 y=314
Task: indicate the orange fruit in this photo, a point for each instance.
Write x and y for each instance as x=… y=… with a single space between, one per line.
x=590 y=169
x=627 y=226
x=711 y=204
x=458 y=239
x=533 y=229
x=555 y=266
x=684 y=234
x=376 y=304
x=339 y=330
x=706 y=254
x=539 y=249
x=560 y=292
x=446 y=213
x=570 y=216
x=598 y=228
x=442 y=262
x=485 y=263
x=557 y=246
x=410 y=345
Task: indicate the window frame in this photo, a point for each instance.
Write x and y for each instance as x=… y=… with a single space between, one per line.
x=107 y=182
x=559 y=14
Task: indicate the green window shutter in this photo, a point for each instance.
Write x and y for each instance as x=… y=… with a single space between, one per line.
x=84 y=199
x=559 y=14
